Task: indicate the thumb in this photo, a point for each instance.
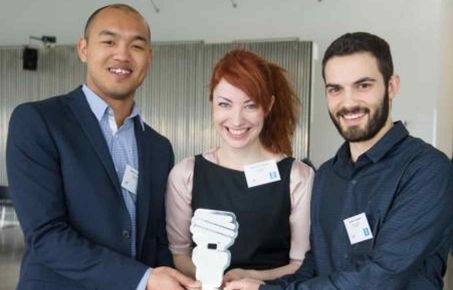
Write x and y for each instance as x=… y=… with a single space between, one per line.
x=233 y=285
x=186 y=281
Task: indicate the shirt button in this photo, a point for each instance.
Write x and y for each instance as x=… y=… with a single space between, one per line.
x=353 y=181
x=346 y=256
x=126 y=234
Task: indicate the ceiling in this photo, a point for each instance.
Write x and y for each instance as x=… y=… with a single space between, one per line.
x=176 y=19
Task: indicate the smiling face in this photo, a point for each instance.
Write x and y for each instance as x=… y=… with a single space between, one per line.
x=117 y=53
x=357 y=97
x=236 y=117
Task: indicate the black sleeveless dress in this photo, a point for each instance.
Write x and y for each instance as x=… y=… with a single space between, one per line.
x=264 y=237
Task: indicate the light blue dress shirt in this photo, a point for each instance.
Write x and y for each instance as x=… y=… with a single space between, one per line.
x=122 y=145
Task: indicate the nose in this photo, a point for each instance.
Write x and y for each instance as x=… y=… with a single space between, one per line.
x=349 y=97
x=122 y=52
x=237 y=116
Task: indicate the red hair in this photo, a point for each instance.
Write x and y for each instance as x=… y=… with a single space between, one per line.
x=261 y=80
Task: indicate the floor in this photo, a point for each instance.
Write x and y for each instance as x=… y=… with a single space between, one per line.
x=12 y=247
x=11 y=250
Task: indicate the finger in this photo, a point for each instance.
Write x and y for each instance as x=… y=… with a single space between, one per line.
x=238 y=284
x=186 y=281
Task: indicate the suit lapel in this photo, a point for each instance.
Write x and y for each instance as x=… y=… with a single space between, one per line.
x=144 y=192
x=79 y=106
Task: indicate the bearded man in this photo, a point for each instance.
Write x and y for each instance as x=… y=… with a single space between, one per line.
x=381 y=208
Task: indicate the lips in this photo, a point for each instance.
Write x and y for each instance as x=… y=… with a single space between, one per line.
x=237 y=133
x=353 y=113
x=121 y=72
x=353 y=116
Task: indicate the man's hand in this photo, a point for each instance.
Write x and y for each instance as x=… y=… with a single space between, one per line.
x=244 y=284
x=165 y=278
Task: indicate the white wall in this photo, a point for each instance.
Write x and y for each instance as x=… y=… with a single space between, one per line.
x=444 y=141
x=420 y=44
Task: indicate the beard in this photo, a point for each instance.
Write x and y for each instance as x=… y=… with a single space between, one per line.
x=374 y=125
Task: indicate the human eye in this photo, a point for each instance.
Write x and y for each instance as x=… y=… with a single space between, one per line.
x=251 y=106
x=364 y=86
x=108 y=42
x=138 y=46
x=333 y=90
x=222 y=104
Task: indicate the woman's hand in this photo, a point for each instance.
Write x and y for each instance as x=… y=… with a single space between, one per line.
x=236 y=274
x=244 y=284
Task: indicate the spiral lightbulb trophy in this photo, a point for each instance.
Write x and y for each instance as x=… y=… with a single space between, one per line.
x=214 y=232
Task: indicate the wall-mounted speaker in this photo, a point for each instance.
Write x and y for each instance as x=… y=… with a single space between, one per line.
x=30 y=58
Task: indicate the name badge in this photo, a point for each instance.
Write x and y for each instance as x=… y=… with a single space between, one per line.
x=261 y=173
x=130 y=179
x=358 y=228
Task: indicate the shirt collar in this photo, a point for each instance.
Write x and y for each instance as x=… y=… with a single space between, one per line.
x=99 y=107
x=397 y=133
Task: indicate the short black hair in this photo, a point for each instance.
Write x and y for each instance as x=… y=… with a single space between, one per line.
x=120 y=6
x=358 y=42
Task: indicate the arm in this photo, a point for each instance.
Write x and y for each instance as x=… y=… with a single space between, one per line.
x=413 y=228
x=301 y=181
x=37 y=190
x=164 y=257
x=184 y=264
x=179 y=214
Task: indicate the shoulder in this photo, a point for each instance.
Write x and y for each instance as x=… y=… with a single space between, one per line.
x=301 y=171
x=183 y=171
x=325 y=169
x=158 y=140
x=32 y=116
x=42 y=106
x=154 y=134
x=44 y=109
x=424 y=161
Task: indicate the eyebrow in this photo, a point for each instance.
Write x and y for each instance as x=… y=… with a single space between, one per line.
x=228 y=100
x=223 y=98
x=332 y=86
x=359 y=81
x=114 y=34
x=365 y=79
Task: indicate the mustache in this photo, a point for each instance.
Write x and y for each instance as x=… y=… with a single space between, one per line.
x=352 y=110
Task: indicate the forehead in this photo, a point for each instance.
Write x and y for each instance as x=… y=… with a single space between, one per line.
x=350 y=68
x=227 y=90
x=119 y=21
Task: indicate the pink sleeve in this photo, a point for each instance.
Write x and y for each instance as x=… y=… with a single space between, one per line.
x=178 y=206
x=301 y=181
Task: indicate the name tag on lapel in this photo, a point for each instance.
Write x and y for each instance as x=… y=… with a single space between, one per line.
x=130 y=179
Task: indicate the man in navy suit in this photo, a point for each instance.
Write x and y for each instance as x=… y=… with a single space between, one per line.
x=382 y=207
x=87 y=175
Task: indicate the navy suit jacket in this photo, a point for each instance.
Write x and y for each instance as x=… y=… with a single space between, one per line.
x=68 y=198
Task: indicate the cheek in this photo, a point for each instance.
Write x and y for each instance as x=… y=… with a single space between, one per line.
x=257 y=119
x=333 y=105
x=217 y=116
x=142 y=61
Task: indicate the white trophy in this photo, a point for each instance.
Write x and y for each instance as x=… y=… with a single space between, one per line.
x=214 y=232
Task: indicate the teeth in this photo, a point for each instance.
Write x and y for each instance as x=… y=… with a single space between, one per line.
x=353 y=116
x=120 y=71
x=237 y=131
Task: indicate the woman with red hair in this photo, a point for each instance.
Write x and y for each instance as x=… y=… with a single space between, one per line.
x=254 y=110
